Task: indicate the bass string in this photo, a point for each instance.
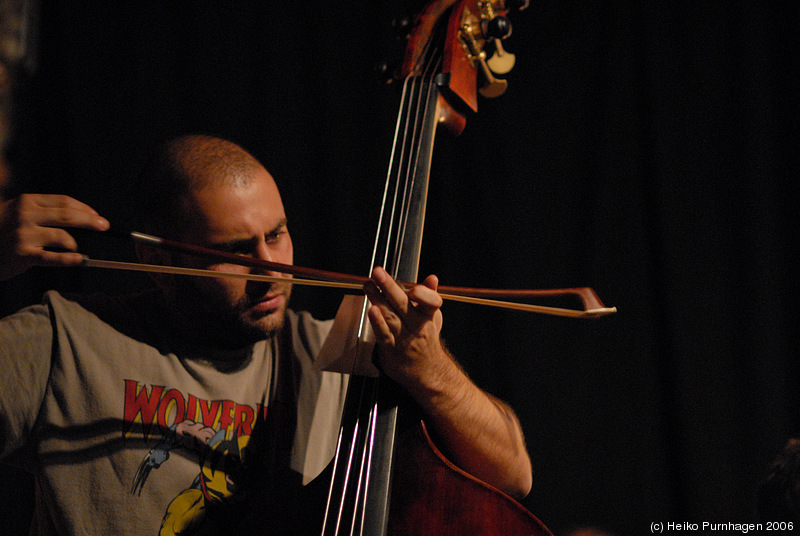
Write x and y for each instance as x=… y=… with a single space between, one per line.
x=414 y=101
x=427 y=92
x=415 y=121
x=349 y=442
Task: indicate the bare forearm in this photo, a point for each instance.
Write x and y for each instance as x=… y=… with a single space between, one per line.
x=480 y=433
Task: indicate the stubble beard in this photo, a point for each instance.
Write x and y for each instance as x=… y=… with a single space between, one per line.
x=211 y=319
x=258 y=326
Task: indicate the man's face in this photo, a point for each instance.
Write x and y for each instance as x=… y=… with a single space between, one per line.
x=248 y=220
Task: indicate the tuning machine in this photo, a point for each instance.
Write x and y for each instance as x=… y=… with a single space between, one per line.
x=488 y=25
x=472 y=42
x=495 y=28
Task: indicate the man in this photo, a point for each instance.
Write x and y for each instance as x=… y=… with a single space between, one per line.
x=152 y=413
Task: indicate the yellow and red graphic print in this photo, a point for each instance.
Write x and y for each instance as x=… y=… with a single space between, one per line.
x=216 y=431
x=157 y=408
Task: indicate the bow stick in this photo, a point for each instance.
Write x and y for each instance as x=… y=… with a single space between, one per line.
x=593 y=307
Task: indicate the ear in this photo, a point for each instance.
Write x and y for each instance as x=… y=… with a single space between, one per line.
x=150 y=255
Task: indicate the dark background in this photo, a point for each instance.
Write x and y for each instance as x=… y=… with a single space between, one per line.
x=645 y=149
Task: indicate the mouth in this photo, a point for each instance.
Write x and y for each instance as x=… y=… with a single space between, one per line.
x=268 y=303
x=264 y=300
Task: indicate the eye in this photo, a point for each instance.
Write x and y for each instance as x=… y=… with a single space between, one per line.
x=238 y=248
x=242 y=250
x=274 y=236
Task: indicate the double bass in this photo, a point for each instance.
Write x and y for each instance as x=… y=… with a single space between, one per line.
x=387 y=476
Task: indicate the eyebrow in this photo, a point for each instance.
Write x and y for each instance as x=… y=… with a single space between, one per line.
x=281 y=225
x=235 y=244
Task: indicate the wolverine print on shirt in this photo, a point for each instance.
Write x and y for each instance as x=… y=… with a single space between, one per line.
x=216 y=432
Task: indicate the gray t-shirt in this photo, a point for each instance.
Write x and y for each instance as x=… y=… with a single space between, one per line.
x=130 y=433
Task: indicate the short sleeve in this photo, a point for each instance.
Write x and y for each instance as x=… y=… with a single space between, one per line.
x=25 y=357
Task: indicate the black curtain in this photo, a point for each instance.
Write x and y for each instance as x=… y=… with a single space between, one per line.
x=645 y=149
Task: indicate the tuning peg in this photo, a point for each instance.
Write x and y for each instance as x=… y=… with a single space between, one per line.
x=501 y=61
x=494 y=87
x=494 y=28
x=498 y=27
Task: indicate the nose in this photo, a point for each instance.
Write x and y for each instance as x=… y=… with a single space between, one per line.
x=262 y=252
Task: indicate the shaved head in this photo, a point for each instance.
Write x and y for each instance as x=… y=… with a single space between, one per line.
x=181 y=166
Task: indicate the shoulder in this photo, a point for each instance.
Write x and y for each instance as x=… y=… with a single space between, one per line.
x=81 y=304
x=56 y=316
x=52 y=307
x=133 y=315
